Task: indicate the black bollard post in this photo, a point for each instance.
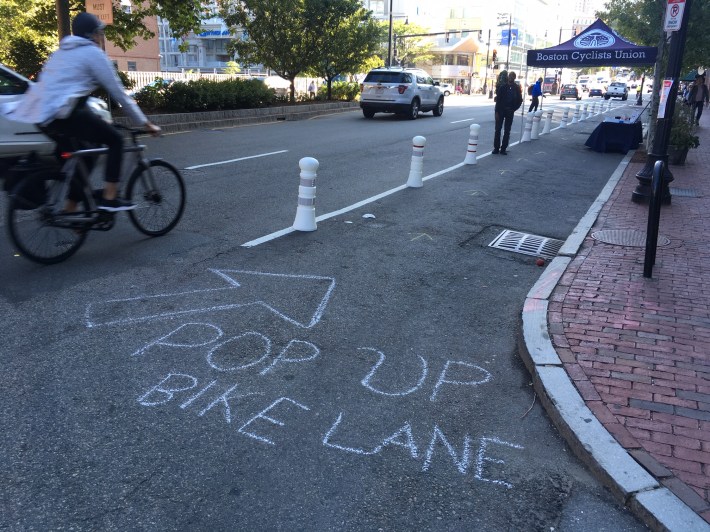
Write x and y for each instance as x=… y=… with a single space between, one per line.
x=654 y=218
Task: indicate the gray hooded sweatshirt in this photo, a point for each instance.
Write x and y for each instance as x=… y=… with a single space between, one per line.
x=74 y=71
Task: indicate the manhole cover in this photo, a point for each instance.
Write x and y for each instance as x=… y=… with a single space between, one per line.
x=626 y=237
x=517 y=242
x=685 y=192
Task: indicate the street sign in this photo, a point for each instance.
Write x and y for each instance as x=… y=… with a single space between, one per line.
x=103 y=9
x=674 y=15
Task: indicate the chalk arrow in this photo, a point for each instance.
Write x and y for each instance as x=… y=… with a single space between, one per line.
x=298 y=299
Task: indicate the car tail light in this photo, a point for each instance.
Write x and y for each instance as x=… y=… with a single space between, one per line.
x=401 y=89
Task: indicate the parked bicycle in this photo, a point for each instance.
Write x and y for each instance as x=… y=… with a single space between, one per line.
x=44 y=231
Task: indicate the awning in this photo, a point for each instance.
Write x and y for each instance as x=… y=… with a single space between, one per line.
x=597 y=45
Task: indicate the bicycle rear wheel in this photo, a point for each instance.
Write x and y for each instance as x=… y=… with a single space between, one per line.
x=38 y=234
x=159 y=198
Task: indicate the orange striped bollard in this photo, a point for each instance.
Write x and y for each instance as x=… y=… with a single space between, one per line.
x=472 y=144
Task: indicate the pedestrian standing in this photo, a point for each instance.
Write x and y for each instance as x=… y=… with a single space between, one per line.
x=699 y=96
x=536 y=93
x=312 y=90
x=509 y=98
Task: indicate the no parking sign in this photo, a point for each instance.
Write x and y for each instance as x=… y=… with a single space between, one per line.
x=674 y=15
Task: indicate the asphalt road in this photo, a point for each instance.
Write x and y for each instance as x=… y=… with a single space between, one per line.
x=362 y=376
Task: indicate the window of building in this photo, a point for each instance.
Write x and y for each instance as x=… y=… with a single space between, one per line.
x=132 y=66
x=462 y=60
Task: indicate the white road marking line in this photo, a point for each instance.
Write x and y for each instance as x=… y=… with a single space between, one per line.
x=235 y=160
x=466 y=120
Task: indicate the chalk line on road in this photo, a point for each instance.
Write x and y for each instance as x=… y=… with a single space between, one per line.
x=235 y=160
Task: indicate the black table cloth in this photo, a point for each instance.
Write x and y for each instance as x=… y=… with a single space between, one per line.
x=615 y=136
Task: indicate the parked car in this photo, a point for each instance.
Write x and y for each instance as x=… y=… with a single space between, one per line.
x=446 y=88
x=570 y=90
x=18 y=139
x=617 y=89
x=596 y=90
x=405 y=91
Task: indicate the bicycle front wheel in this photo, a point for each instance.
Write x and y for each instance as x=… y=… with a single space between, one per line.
x=38 y=233
x=158 y=191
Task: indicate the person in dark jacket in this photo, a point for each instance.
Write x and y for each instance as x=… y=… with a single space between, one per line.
x=509 y=98
x=698 y=97
x=536 y=93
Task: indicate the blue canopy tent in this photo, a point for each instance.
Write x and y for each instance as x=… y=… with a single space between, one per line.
x=597 y=45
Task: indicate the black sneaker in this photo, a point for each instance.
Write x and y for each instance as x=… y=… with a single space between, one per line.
x=116 y=205
x=495 y=152
x=503 y=152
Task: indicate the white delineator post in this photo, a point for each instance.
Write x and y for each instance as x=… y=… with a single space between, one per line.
x=306 y=210
x=417 y=168
x=583 y=115
x=535 y=133
x=548 y=121
x=575 y=116
x=565 y=118
x=527 y=132
x=472 y=144
x=592 y=110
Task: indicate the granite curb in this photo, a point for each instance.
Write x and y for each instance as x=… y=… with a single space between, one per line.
x=176 y=122
x=626 y=477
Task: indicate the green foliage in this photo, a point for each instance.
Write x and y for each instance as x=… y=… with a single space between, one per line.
x=641 y=21
x=347 y=38
x=232 y=68
x=281 y=34
x=409 y=50
x=340 y=90
x=205 y=95
x=683 y=131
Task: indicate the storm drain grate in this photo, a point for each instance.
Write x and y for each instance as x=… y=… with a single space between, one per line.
x=685 y=192
x=517 y=242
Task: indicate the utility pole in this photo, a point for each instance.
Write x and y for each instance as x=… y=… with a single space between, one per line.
x=659 y=151
x=63 y=23
x=488 y=50
x=389 y=40
x=510 y=38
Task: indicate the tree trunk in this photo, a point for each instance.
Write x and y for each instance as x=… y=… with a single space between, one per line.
x=63 y=22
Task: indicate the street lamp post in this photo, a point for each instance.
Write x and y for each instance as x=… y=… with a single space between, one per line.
x=389 y=39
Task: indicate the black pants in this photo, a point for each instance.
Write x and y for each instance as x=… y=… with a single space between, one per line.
x=84 y=125
x=504 y=120
x=535 y=102
x=698 y=110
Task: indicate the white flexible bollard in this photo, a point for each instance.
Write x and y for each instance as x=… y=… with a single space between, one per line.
x=548 y=121
x=472 y=144
x=565 y=118
x=592 y=110
x=575 y=116
x=584 y=113
x=527 y=132
x=608 y=104
x=306 y=210
x=417 y=167
x=535 y=132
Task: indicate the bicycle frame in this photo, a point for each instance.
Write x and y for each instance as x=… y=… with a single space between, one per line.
x=75 y=167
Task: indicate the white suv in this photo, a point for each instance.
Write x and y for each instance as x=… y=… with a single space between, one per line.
x=400 y=90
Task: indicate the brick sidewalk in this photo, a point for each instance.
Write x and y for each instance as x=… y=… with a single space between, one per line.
x=637 y=349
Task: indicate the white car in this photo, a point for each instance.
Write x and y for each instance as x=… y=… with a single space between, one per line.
x=18 y=139
x=446 y=88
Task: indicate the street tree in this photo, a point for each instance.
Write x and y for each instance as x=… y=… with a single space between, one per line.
x=278 y=34
x=407 y=50
x=30 y=33
x=347 y=37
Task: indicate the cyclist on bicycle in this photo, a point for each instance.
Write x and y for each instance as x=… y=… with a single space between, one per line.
x=57 y=102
